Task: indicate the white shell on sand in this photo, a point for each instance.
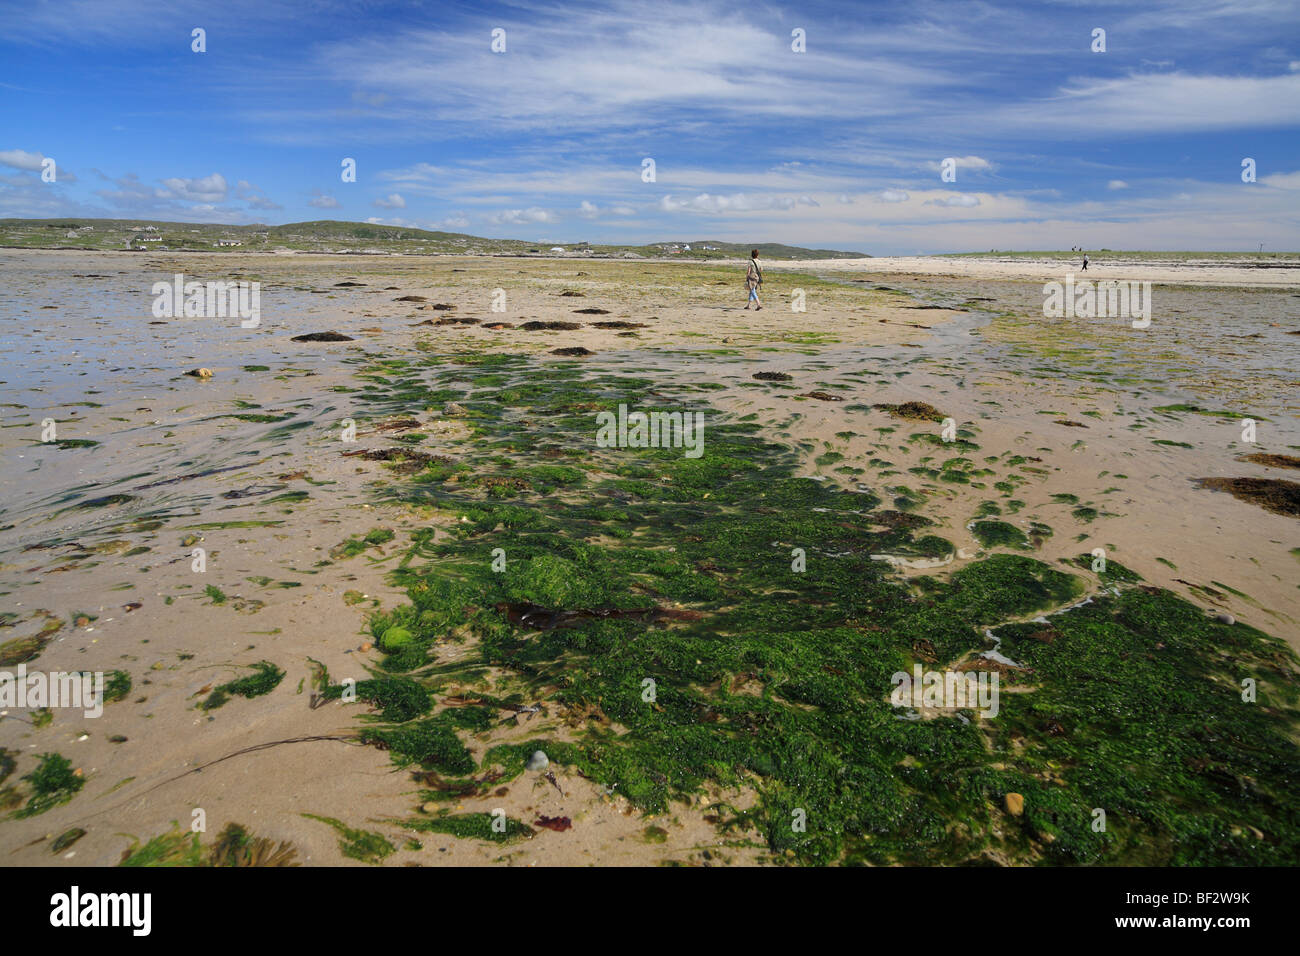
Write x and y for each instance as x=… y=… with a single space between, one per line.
x=538 y=761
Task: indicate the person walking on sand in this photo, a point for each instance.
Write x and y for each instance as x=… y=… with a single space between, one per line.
x=1085 y=263
x=754 y=279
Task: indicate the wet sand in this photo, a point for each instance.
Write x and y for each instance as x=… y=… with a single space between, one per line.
x=1079 y=402
x=1263 y=271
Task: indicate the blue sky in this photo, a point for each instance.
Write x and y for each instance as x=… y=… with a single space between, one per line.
x=839 y=146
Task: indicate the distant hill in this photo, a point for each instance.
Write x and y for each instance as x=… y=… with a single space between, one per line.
x=360 y=238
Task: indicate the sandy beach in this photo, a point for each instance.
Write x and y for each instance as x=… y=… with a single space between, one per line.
x=1273 y=271
x=932 y=388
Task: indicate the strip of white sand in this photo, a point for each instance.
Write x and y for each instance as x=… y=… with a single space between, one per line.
x=1281 y=271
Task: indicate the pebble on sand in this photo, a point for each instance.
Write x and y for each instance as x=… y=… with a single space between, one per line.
x=322 y=337
x=200 y=372
x=538 y=761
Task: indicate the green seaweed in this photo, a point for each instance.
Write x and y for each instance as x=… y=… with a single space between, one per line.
x=66 y=839
x=998 y=534
x=53 y=783
x=364 y=845
x=431 y=742
x=775 y=679
x=471 y=826
x=234 y=846
x=266 y=678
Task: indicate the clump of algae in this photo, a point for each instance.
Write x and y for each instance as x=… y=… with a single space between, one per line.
x=777 y=680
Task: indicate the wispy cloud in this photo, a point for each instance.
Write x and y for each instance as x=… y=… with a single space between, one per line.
x=955 y=201
x=207 y=189
x=21 y=159
x=522 y=217
x=321 y=201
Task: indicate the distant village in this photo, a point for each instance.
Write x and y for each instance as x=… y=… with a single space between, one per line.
x=145 y=236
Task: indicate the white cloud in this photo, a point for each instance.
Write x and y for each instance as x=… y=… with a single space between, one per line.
x=21 y=159
x=391 y=201
x=255 y=198
x=455 y=221
x=956 y=200
x=1117 y=184
x=697 y=55
x=321 y=201
x=32 y=162
x=522 y=217
x=893 y=195
x=208 y=189
x=590 y=210
x=735 y=202
x=1282 y=180
x=966 y=163
x=129 y=190
x=1151 y=104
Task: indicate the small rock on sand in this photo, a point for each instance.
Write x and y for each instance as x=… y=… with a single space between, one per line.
x=323 y=337
x=536 y=326
x=200 y=372
x=538 y=761
x=1223 y=617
